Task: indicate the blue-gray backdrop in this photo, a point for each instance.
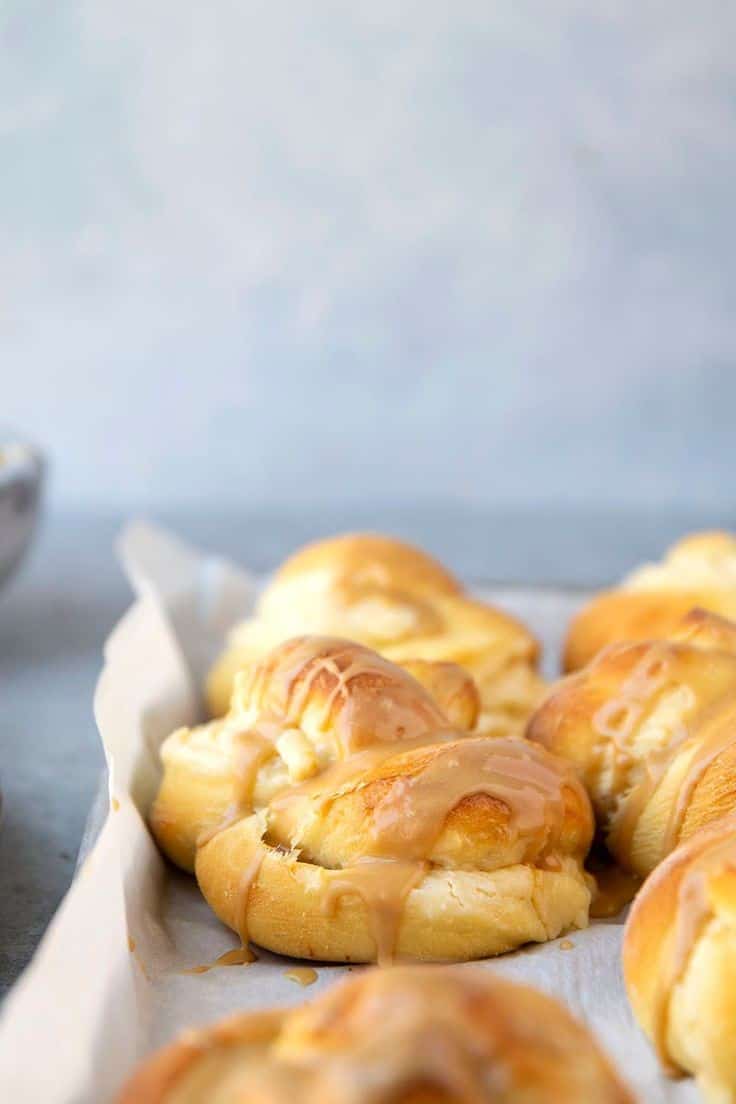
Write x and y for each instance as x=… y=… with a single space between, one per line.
x=278 y=253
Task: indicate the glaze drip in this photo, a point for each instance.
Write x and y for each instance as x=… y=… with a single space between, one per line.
x=383 y=885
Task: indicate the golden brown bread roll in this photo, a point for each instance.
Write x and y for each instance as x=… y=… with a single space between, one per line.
x=699 y=570
x=400 y=602
x=335 y=814
x=651 y=727
x=408 y=1035
x=679 y=958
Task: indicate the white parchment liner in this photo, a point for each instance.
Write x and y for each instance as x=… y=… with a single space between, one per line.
x=106 y=984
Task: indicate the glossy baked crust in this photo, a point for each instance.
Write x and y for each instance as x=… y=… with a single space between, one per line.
x=698 y=571
x=651 y=727
x=408 y=1035
x=402 y=603
x=335 y=814
x=679 y=958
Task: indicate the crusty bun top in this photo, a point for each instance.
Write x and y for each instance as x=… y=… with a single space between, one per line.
x=401 y=602
x=700 y=570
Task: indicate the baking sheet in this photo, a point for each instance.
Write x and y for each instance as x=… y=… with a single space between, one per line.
x=108 y=983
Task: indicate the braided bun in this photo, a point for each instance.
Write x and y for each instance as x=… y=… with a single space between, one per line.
x=652 y=728
x=335 y=814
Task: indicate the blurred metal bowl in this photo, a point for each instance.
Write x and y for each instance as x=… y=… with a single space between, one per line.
x=21 y=481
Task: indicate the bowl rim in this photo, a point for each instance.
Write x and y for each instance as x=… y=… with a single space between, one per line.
x=19 y=459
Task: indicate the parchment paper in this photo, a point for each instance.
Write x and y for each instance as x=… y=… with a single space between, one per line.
x=106 y=984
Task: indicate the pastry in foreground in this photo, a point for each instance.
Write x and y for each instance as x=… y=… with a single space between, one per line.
x=651 y=727
x=335 y=814
x=408 y=1035
x=679 y=958
x=399 y=601
x=699 y=570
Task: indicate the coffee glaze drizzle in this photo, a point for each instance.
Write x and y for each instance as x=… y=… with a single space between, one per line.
x=614 y=889
x=512 y=772
x=383 y=885
x=243 y=955
x=389 y=705
x=321 y=674
x=238 y=956
x=403 y=827
x=245 y=889
x=302 y=975
x=527 y=781
x=692 y=913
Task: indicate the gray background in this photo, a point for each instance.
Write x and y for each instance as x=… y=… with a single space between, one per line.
x=272 y=254
x=465 y=271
